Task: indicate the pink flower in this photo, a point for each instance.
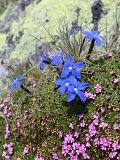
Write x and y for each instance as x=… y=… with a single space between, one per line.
x=108 y=97
x=112 y=154
x=80 y=116
x=96 y=122
x=71 y=126
x=96 y=141
x=7 y=157
x=102 y=110
x=90 y=95
x=39 y=158
x=92 y=130
x=103 y=125
x=7 y=99
x=112 y=72
x=8 y=132
x=105 y=143
x=98 y=88
x=83 y=124
x=109 y=54
x=86 y=156
x=115 y=81
x=88 y=144
x=77 y=133
x=109 y=107
x=69 y=139
x=116 y=126
x=4 y=154
x=96 y=115
x=18 y=158
x=26 y=150
x=116 y=146
x=60 y=134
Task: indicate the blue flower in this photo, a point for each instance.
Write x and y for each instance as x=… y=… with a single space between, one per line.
x=16 y=83
x=94 y=35
x=64 y=84
x=58 y=60
x=77 y=88
x=70 y=67
x=42 y=60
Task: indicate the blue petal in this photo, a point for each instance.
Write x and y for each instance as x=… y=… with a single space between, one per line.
x=12 y=87
x=71 y=88
x=70 y=59
x=76 y=73
x=82 y=95
x=45 y=56
x=98 y=41
x=18 y=84
x=65 y=73
x=82 y=86
x=95 y=33
x=88 y=35
x=21 y=78
x=73 y=81
x=57 y=61
x=71 y=96
x=42 y=65
x=78 y=65
x=62 y=53
x=62 y=89
x=59 y=82
x=66 y=65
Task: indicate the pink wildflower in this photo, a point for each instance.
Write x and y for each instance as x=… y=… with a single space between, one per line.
x=80 y=116
x=26 y=150
x=60 y=134
x=112 y=154
x=8 y=132
x=69 y=139
x=98 y=88
x=116 y=126
x=77 y=133
x=103 y=125
x=39 y=158
x=115 y=81
x=71 y=126
x=108 y=97
x=90 y=95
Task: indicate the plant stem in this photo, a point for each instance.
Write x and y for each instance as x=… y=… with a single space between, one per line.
x=25 y=89
x=90 y=49
x=81 y=46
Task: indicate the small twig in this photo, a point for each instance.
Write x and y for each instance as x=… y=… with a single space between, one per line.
x=25 y=89
x=81 y=47
x=90 y=49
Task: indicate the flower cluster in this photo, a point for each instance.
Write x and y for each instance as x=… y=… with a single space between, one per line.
x=69 y=77
x=9 y=150
x=73 y=148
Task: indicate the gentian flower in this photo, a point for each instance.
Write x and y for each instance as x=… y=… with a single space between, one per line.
x=58 y=60
x=64 y=84
x=16 y=83
x=94 y=35
x=70 y=67
x=77 y=88
x=42 y=60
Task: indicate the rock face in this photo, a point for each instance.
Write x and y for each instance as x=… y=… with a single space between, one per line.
x=27 y=19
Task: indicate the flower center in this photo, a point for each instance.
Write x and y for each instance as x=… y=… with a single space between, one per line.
x=70 y=68
x=66 y=84
x=75 y=89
